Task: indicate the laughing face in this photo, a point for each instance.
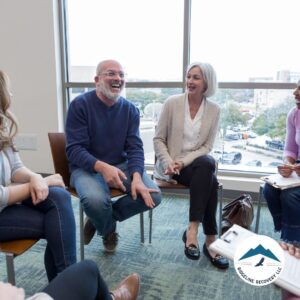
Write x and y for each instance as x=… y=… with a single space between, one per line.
x=109 y=81
x=195 y=83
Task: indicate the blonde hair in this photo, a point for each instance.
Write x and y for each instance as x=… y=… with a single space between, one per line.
x=8 y=122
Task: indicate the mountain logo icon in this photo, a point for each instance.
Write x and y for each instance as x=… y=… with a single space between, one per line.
x=258 y=260
x=259 y=250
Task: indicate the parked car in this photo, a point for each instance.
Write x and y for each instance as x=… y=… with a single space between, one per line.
x=231 y=158
x=232 y=136
x=252 y=135
x=275 y=144
x=255 y=163
x=274 y=164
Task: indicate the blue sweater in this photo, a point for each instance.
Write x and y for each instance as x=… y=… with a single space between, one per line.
x=96 y=131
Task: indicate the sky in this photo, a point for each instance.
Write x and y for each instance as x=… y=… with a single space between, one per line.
x=240 y=38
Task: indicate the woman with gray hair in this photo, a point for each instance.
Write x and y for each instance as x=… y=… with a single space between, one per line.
x=184 y=137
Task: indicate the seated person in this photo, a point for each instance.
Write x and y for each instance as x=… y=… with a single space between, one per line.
x=32 y=207
x=284 y=205
x=105 y=151
x=81 y=281
x=184 y=137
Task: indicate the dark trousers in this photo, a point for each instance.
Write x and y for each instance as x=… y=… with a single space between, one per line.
x=201 y=179
x=77 y=282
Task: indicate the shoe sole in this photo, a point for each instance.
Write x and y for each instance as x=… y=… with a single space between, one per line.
x=110 y=250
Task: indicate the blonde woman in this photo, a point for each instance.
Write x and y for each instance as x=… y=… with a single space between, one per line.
x=32 y=206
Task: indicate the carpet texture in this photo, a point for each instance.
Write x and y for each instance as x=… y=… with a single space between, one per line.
x=165 y=271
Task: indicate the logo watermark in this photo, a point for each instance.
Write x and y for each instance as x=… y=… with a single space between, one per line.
x=259 y=260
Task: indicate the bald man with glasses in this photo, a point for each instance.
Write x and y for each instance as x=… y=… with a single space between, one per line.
x=105 y=151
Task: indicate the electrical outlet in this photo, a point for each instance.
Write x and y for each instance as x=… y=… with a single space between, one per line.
x=26 y=142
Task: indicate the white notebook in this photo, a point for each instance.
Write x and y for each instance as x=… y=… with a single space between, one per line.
x=280 y=182
x=227 y=244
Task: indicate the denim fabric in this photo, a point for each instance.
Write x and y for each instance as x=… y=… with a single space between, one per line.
x=284 y=206
x=95 y=197
x=200 y=177
x=52 y=219
x=79 y=281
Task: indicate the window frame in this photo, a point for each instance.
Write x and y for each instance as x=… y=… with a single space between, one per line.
x=66 y=84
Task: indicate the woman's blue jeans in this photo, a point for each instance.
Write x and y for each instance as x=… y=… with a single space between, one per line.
x=95 y=197
x=284 y=206
x=52 y=219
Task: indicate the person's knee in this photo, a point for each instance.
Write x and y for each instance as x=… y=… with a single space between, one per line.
x=94 y=203
x=60 y=196
x=88 y=267
x=156 y=197
x=206 y=162
x=290 y=199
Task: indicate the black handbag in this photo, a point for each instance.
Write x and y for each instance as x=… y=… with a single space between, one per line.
x=239 y=211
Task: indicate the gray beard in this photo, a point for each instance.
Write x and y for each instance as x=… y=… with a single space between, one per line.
x=112 y=96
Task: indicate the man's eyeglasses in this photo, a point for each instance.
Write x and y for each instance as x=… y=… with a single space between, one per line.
x=113 y=74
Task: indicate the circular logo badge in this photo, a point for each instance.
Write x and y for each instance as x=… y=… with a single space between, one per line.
x=259 y=260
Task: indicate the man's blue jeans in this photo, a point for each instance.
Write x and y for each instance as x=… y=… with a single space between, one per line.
x=284 y=206
x=52 y=219
x=95 y=197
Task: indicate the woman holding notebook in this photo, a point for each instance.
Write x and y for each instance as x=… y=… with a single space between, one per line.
x=284 y=205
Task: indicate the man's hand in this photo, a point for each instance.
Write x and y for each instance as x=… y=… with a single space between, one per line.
x=138 y=187
x=112 y=175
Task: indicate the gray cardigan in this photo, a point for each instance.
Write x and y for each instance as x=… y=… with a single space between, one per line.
x=10 y=162
x=169 y=133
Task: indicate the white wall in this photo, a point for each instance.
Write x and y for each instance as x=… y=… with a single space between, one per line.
x=29 y=54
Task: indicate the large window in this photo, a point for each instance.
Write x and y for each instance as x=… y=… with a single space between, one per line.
x=249 y=40
x=146 y=36
x=251 y=44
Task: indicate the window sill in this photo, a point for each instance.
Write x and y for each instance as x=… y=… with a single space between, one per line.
x=234 y=180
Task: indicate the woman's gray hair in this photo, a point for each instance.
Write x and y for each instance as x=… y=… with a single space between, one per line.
x=209 y=75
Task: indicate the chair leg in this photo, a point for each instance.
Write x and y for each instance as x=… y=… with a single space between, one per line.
x=260 y=196
x=220 y=198
x=142 y=227
x=150 y=225
x=10 y=268
x=81 y=232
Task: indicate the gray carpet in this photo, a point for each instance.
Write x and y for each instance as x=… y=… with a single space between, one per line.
x=165 y=272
